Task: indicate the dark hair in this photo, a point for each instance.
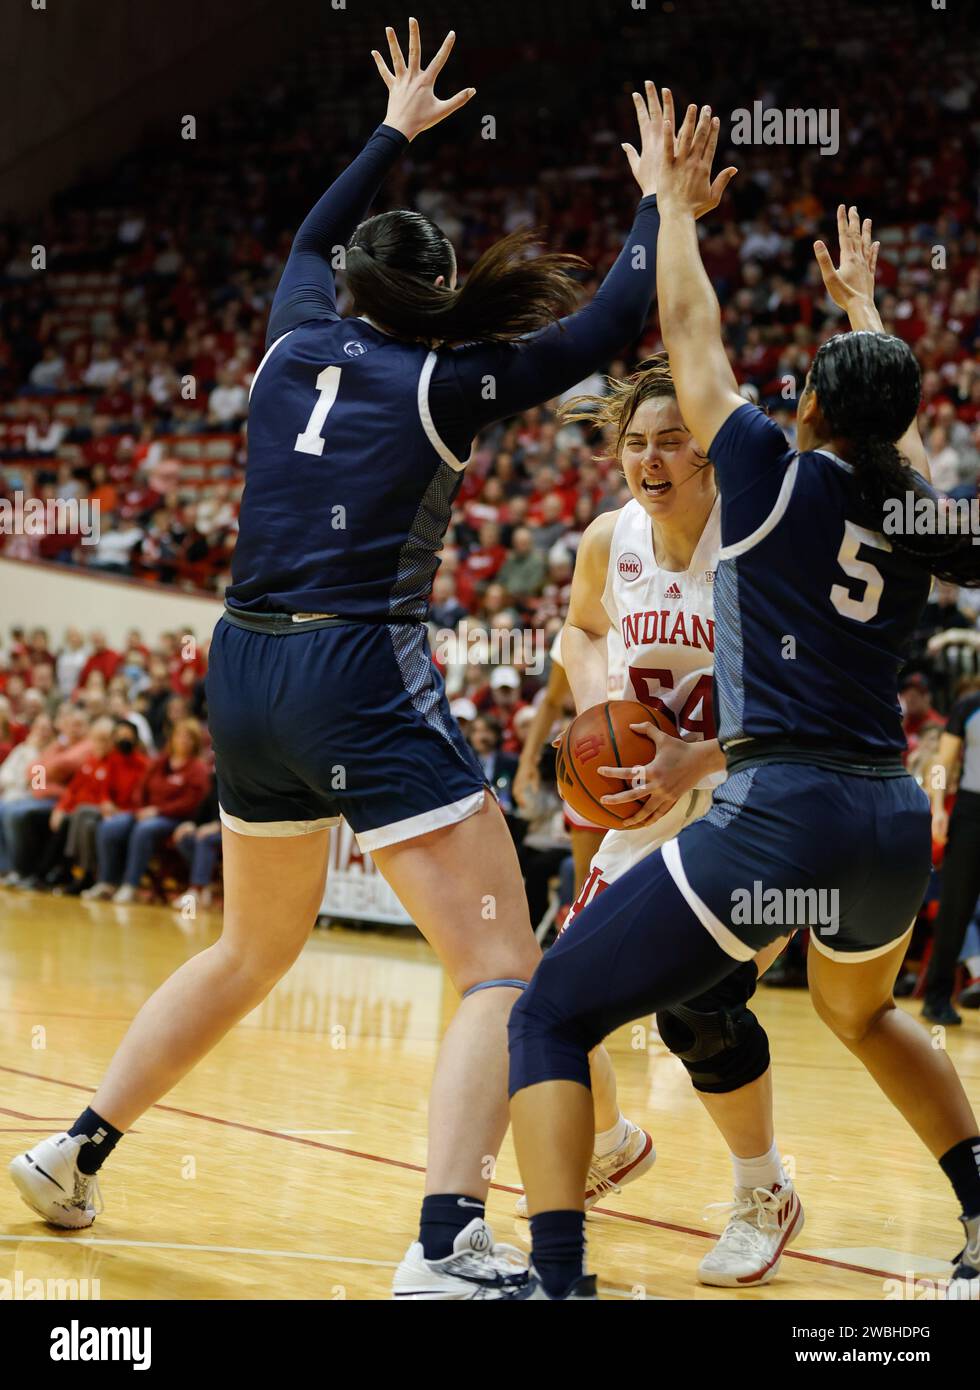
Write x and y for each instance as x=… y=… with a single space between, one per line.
x=394 y=259
x=868 y=386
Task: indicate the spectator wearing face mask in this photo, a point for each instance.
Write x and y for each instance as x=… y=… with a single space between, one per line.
x=175 y=785
x=125 y=771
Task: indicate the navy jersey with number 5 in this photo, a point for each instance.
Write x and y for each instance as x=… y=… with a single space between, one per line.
x=814 y=610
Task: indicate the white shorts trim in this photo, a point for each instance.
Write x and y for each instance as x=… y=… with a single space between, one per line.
x=275 y=829
x=725 y=938
x=856 y=957
x=729 y=552
x=413 y=826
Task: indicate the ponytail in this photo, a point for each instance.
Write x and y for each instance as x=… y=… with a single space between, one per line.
x=868 y=387
x=394 y=259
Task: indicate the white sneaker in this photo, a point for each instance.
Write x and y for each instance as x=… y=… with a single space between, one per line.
x=609 y=1175
x=98 y=892
x=964 y=1286
x=477 y=1268
x=762 y=1222
x=48 y=1179
x=125 y=894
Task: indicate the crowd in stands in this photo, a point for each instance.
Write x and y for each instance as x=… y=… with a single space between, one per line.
x=125 y=365
x=104 y=762
x=125 y=361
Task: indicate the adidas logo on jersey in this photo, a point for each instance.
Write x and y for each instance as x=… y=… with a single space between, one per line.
x=673 y=592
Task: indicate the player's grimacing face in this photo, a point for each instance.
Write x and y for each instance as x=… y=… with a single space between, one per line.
x=664 y=470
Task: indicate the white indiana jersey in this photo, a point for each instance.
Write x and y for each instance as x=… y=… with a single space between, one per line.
x=665 y=620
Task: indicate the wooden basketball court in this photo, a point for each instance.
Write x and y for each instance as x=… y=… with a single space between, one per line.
x=289 y=1165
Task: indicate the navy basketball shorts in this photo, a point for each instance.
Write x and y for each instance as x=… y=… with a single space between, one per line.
x=351 y=720
x=791 y=845
x=784 y=846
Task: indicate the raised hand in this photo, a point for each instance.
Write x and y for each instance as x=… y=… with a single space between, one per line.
x=854 y=279
x=685 y=181
x=645 y=163
x=412 y=103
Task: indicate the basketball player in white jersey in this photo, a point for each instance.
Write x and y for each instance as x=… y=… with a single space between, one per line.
x=645 y=574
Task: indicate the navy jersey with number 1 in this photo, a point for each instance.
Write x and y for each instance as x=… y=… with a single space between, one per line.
x=323 y=697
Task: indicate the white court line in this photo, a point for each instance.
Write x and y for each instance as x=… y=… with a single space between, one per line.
x=204 y=1249
x=242 y=1250
x=881 y=1258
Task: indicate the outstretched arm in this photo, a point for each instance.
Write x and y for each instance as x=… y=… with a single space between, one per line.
x=307 y=289
x=690 y=319
x=852 y=288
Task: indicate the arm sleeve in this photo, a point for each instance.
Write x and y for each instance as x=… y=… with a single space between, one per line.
x=751 y=455
x=307 y=290
x=485 y=382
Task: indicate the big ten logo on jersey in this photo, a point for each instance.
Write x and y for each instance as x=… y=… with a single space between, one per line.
x=630 y=566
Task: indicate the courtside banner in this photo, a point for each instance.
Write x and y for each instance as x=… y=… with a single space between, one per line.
x=355 y=890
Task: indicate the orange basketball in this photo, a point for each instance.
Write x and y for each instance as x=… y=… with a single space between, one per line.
x=602 y=737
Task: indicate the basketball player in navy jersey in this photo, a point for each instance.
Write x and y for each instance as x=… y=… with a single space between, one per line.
x=814 y=605
x=323 y=699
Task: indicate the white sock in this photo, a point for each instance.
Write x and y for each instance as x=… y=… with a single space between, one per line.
x=611 y=1139
x=973 y=965
x=764 y=1171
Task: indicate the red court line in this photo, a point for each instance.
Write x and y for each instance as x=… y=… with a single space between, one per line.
x=419 y=1168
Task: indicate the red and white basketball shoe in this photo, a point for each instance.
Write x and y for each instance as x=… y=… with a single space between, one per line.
x=610 y=1174
x=761 y=1224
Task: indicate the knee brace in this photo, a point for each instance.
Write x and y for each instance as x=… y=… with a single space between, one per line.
x=722 y=1050
x=495 y=984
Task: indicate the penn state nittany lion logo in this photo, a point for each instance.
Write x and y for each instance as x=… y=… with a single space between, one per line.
x=355 y=349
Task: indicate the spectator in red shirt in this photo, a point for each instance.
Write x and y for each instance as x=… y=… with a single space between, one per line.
x=918 y=714
x=84 y=791
x=103 y=660
x=505 y=701
x=114 y=786
x=481 y=564
x=11 y=733
x=175 y=785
